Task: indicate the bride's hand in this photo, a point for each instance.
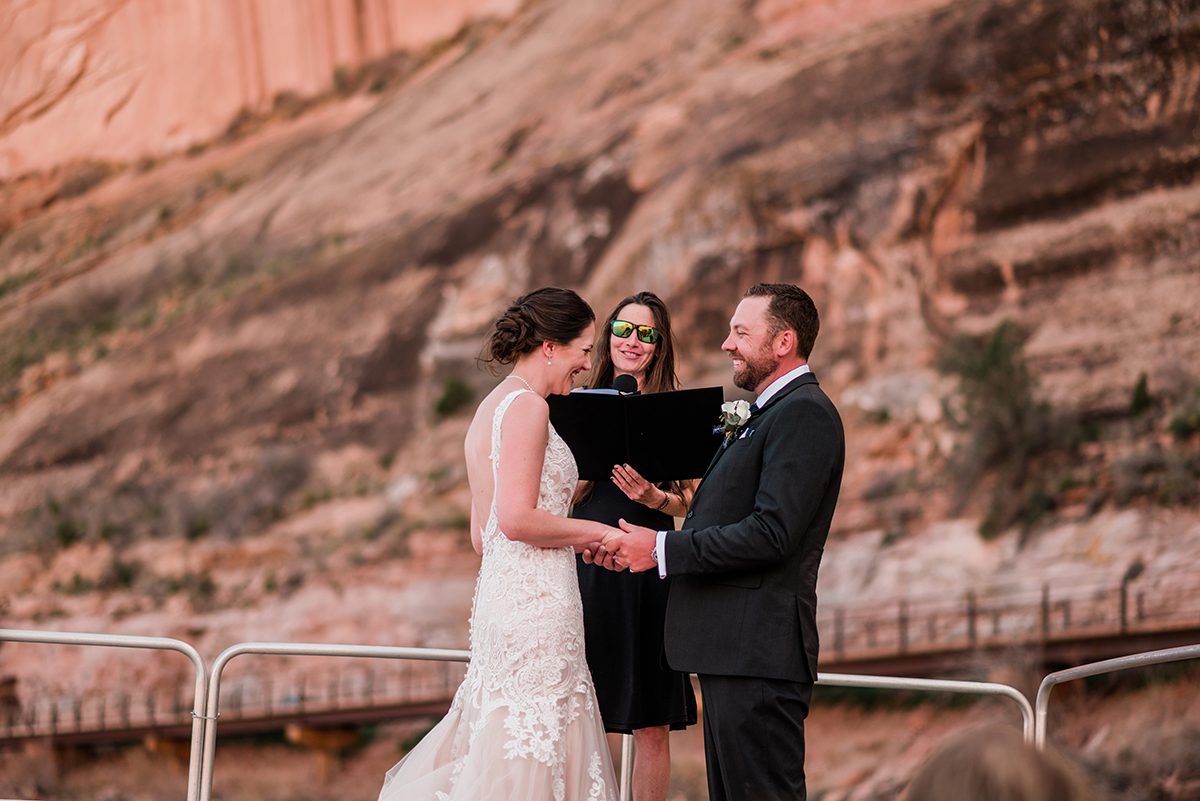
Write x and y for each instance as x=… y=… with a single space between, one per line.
x=636 y=488
x=593 y=553
x=604 y=552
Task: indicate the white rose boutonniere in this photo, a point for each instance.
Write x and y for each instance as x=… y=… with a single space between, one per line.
x=734 y=415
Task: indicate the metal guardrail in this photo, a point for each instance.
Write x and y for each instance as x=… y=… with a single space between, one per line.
x=1120 y=663
x=1078 y=619
x=206 y=709
x=937 y=685
x=431 y=654
x=133 y=641
x=212 y=712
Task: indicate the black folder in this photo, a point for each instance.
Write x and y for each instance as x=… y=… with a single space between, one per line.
x=665 y=436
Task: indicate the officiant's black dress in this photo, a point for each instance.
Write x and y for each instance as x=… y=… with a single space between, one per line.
x=623 y=617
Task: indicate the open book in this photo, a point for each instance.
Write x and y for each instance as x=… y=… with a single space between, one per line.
x=665 y=436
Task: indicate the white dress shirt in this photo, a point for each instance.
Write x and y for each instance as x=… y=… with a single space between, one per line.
x=761 y=401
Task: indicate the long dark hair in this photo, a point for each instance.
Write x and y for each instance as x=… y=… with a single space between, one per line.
x=660 y=372
x=549 y=314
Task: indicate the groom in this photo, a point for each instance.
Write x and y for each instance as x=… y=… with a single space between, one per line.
x=742 y=607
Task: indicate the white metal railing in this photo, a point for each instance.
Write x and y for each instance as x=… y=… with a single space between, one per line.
x=206 y=706
x=937 y=685
x=431 y=654
x=133 y=641
x=213 y=711
x=1095 y=669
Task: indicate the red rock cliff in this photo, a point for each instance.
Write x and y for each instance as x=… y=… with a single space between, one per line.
x=120 y=79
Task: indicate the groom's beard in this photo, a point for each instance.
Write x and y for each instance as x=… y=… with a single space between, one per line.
x=754 y=370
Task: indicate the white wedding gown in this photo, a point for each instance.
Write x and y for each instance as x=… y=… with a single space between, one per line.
x=524 y=724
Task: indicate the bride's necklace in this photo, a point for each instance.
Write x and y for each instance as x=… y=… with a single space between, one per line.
x=523 y=381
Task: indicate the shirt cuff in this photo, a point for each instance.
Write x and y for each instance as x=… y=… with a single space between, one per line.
x=660 y=543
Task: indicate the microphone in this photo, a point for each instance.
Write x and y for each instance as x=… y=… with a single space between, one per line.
x=625 y=384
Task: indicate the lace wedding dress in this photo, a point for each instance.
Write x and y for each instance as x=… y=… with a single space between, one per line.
x=524 y=724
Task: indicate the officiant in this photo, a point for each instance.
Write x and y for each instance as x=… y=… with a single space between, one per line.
x=623 y=612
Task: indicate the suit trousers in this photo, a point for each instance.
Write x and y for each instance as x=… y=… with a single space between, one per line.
x=754 y=737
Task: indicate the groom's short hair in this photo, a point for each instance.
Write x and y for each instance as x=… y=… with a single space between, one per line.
x=790 y=307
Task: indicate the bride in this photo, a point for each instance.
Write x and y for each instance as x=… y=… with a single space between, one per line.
x=524 y=724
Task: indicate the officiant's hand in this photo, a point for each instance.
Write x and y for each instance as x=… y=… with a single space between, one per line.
x=636 y=488
x=634 y=546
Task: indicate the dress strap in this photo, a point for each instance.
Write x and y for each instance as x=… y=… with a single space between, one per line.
x=497 y=419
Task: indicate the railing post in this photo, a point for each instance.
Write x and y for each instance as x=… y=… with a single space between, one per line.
x=1045 y=612
x=1042 y=701
x=839 y=632
x=971 y=612
x=625 y=782
x=1124 y=606
x=206 y=755
x=130 y=641
x=903 y=624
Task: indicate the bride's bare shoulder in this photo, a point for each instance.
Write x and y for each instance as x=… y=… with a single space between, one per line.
x=485 y=412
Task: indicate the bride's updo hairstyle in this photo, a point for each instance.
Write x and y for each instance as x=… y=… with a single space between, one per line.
x=549 y=314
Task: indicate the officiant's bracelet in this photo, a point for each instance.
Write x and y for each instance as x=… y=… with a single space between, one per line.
x=666 y=499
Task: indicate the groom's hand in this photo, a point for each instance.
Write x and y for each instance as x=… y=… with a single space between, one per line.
x=604 y=552
x=634 y=547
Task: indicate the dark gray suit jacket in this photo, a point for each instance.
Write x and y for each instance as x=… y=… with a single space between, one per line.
x=744 y=574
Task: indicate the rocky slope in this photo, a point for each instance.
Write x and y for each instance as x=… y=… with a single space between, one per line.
x=220 y=372
x=121 y=80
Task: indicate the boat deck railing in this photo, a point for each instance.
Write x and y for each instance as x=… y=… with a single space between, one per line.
x=206 y=707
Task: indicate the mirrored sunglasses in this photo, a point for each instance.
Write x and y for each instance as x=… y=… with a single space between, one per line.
x=646 y=333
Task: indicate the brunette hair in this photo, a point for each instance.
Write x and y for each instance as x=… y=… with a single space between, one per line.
x=790 y=307
x=660 y=372
x=549 y=314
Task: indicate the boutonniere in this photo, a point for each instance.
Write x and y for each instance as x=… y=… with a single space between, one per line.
x=734 y=415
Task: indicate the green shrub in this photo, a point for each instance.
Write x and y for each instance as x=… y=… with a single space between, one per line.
x=196 y=527
x=1140 y=401
x=15 y=282
x=1186 y=421
x=78 y=585
x=1006 y=427
x=455 y=395
x=121 y=574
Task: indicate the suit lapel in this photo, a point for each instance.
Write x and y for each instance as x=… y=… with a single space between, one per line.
x=717 y=457
x=788 y=388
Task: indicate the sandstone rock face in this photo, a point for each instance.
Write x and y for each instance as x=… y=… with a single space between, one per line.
x=123 y=79
x=222 y=379
x=236 y=357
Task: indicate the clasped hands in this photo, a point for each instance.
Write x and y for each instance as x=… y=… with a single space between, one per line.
x=627 y=547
